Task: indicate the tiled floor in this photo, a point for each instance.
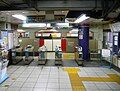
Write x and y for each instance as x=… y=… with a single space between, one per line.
x=39 y=78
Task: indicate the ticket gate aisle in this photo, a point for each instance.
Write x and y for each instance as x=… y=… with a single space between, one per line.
x=16 y=56
x=42 y=59
x=28 y=55
x=58 y=56
x=78 y=56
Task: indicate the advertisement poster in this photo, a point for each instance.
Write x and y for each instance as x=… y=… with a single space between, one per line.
x=80 y=34
x=4 y=37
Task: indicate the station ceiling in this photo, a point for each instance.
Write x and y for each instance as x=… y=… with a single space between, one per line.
x=106 y=9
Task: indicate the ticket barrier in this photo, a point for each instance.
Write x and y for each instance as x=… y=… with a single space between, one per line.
x=16 y=57
x=58 y=57
x=28 y=57
x=42 y=59
x=78 y=56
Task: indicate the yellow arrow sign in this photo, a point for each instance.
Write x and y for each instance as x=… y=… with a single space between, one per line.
x=76 y=81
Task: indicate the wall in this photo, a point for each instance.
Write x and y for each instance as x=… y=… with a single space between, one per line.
x=106 y=26
x=2 y=25
x=98 y=34
x=71 y=43
x=5 y=26
x=31 y=40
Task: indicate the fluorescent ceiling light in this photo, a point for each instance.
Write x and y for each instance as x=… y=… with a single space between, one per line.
x=81 y=18
x=34 y=25
x=48 y=25
x=74 y=30
x=19 y=16
x=49 y=30
x=53 y=30
x=20 y=30
x=62 y=24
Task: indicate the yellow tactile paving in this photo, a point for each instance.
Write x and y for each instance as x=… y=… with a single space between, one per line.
x=76 y=81
x=72 y=70
x=68 y=56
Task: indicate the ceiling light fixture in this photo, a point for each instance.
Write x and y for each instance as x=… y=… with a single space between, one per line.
x=74 y=31
x=62 y=24
x=34 y=25
x=48 y=25
x=20 y=30
x=81 y=18
x=19 y=16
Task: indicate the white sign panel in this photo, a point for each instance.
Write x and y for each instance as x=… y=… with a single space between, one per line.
x=105 y=53
x=10 y=40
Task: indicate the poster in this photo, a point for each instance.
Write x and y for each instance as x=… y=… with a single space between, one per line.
x=80 y=34
x=4 y=36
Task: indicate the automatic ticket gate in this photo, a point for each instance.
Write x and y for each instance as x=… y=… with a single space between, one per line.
x=42 y=59
x=58 y=56
x=16 y=56
x=28 y=55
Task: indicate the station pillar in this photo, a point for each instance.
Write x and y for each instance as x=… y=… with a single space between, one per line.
x=83 y=40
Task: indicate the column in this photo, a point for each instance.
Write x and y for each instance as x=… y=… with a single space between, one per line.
x=83 y=39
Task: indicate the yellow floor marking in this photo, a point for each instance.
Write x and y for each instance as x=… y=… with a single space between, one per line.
x=76 y=81
x=68 y=56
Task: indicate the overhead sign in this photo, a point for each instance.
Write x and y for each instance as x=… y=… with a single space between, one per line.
x=59 y=18
x=35 y=19
x=42 y=18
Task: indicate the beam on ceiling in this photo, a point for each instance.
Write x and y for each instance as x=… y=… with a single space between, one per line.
x=110 y=7
x=8 y=4
x=32 y=4
x=28 y=2
x=60 y=5
x=83 y=4
x=35 y=5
